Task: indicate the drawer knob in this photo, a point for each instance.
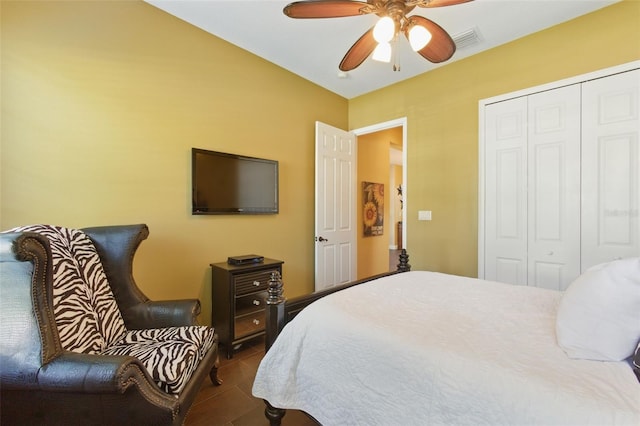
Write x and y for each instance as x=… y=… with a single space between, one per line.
x=256 y=302
x=256 y=322
x=256 y=283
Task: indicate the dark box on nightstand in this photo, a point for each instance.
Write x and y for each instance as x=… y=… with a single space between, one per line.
x=245 y=259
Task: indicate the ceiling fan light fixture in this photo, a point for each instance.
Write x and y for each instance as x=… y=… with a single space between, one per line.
x=384 y=30
x=382 y=52
x=419 y=37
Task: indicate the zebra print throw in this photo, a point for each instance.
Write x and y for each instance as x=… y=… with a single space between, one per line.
x=86 y=313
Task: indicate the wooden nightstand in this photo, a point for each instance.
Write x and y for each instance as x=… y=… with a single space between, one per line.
x=238 y=294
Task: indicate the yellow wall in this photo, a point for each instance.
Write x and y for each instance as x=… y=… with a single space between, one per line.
x=101 y=104
x=441 y=107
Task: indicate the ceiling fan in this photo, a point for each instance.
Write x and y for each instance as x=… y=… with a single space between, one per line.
x=426 y=37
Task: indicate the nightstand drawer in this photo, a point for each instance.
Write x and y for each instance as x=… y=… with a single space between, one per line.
x=249 y=324
x=252 y=281
x=250 y=303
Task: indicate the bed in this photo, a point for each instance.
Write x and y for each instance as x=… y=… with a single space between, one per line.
x=423 y=348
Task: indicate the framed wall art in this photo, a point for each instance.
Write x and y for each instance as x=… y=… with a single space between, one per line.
x=372 y=209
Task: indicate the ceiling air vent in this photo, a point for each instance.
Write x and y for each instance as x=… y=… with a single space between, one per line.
x=467 y=38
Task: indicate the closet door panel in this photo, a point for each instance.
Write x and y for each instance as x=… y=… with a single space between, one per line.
x=505 y=191
x=553 y=243
x=611 y=171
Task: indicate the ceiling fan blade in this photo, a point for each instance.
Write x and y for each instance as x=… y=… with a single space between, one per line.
x=441 y=47
x=360 y=51
x=326 y=9
x=442 y=3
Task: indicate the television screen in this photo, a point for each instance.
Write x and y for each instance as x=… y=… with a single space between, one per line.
x=233 y=184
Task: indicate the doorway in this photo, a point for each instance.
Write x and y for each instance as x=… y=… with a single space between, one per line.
x=378 y=254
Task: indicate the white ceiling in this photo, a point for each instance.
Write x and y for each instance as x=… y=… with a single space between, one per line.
x=313 y=48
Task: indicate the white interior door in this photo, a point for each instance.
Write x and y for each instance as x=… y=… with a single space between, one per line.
x=505 y=191
x=335 y=222
x=553 y=201
x=611 y=168
x=532 y=189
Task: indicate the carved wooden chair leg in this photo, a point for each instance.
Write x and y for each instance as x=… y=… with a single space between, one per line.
x=273 y=414
x=213 y=374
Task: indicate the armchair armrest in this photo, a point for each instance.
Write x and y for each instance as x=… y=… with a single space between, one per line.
x=164 y=313
x=75 y=372
x=79 y=388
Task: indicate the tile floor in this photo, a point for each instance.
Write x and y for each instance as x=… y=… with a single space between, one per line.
x=231 y=404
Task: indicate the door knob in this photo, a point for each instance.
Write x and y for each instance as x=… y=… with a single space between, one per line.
x=321 y=239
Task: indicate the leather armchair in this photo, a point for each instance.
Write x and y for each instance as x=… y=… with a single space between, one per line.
x=40 y=383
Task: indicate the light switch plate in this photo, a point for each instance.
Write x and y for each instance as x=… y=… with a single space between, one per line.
x=424 y=215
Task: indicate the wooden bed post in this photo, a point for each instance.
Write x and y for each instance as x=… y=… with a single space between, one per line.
x=403 y=264
x=274 y=317
x=273 y=414
x=274 y=314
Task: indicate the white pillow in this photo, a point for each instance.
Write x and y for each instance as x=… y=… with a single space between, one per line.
x=599 y=314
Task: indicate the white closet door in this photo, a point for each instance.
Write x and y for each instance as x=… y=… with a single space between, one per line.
x=610 y=169
x=553 y=219
x=505 y=191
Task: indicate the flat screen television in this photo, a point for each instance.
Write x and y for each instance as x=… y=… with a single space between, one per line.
x=225 y=183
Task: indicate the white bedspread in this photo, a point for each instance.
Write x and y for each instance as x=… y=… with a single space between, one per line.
x=423 y=348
